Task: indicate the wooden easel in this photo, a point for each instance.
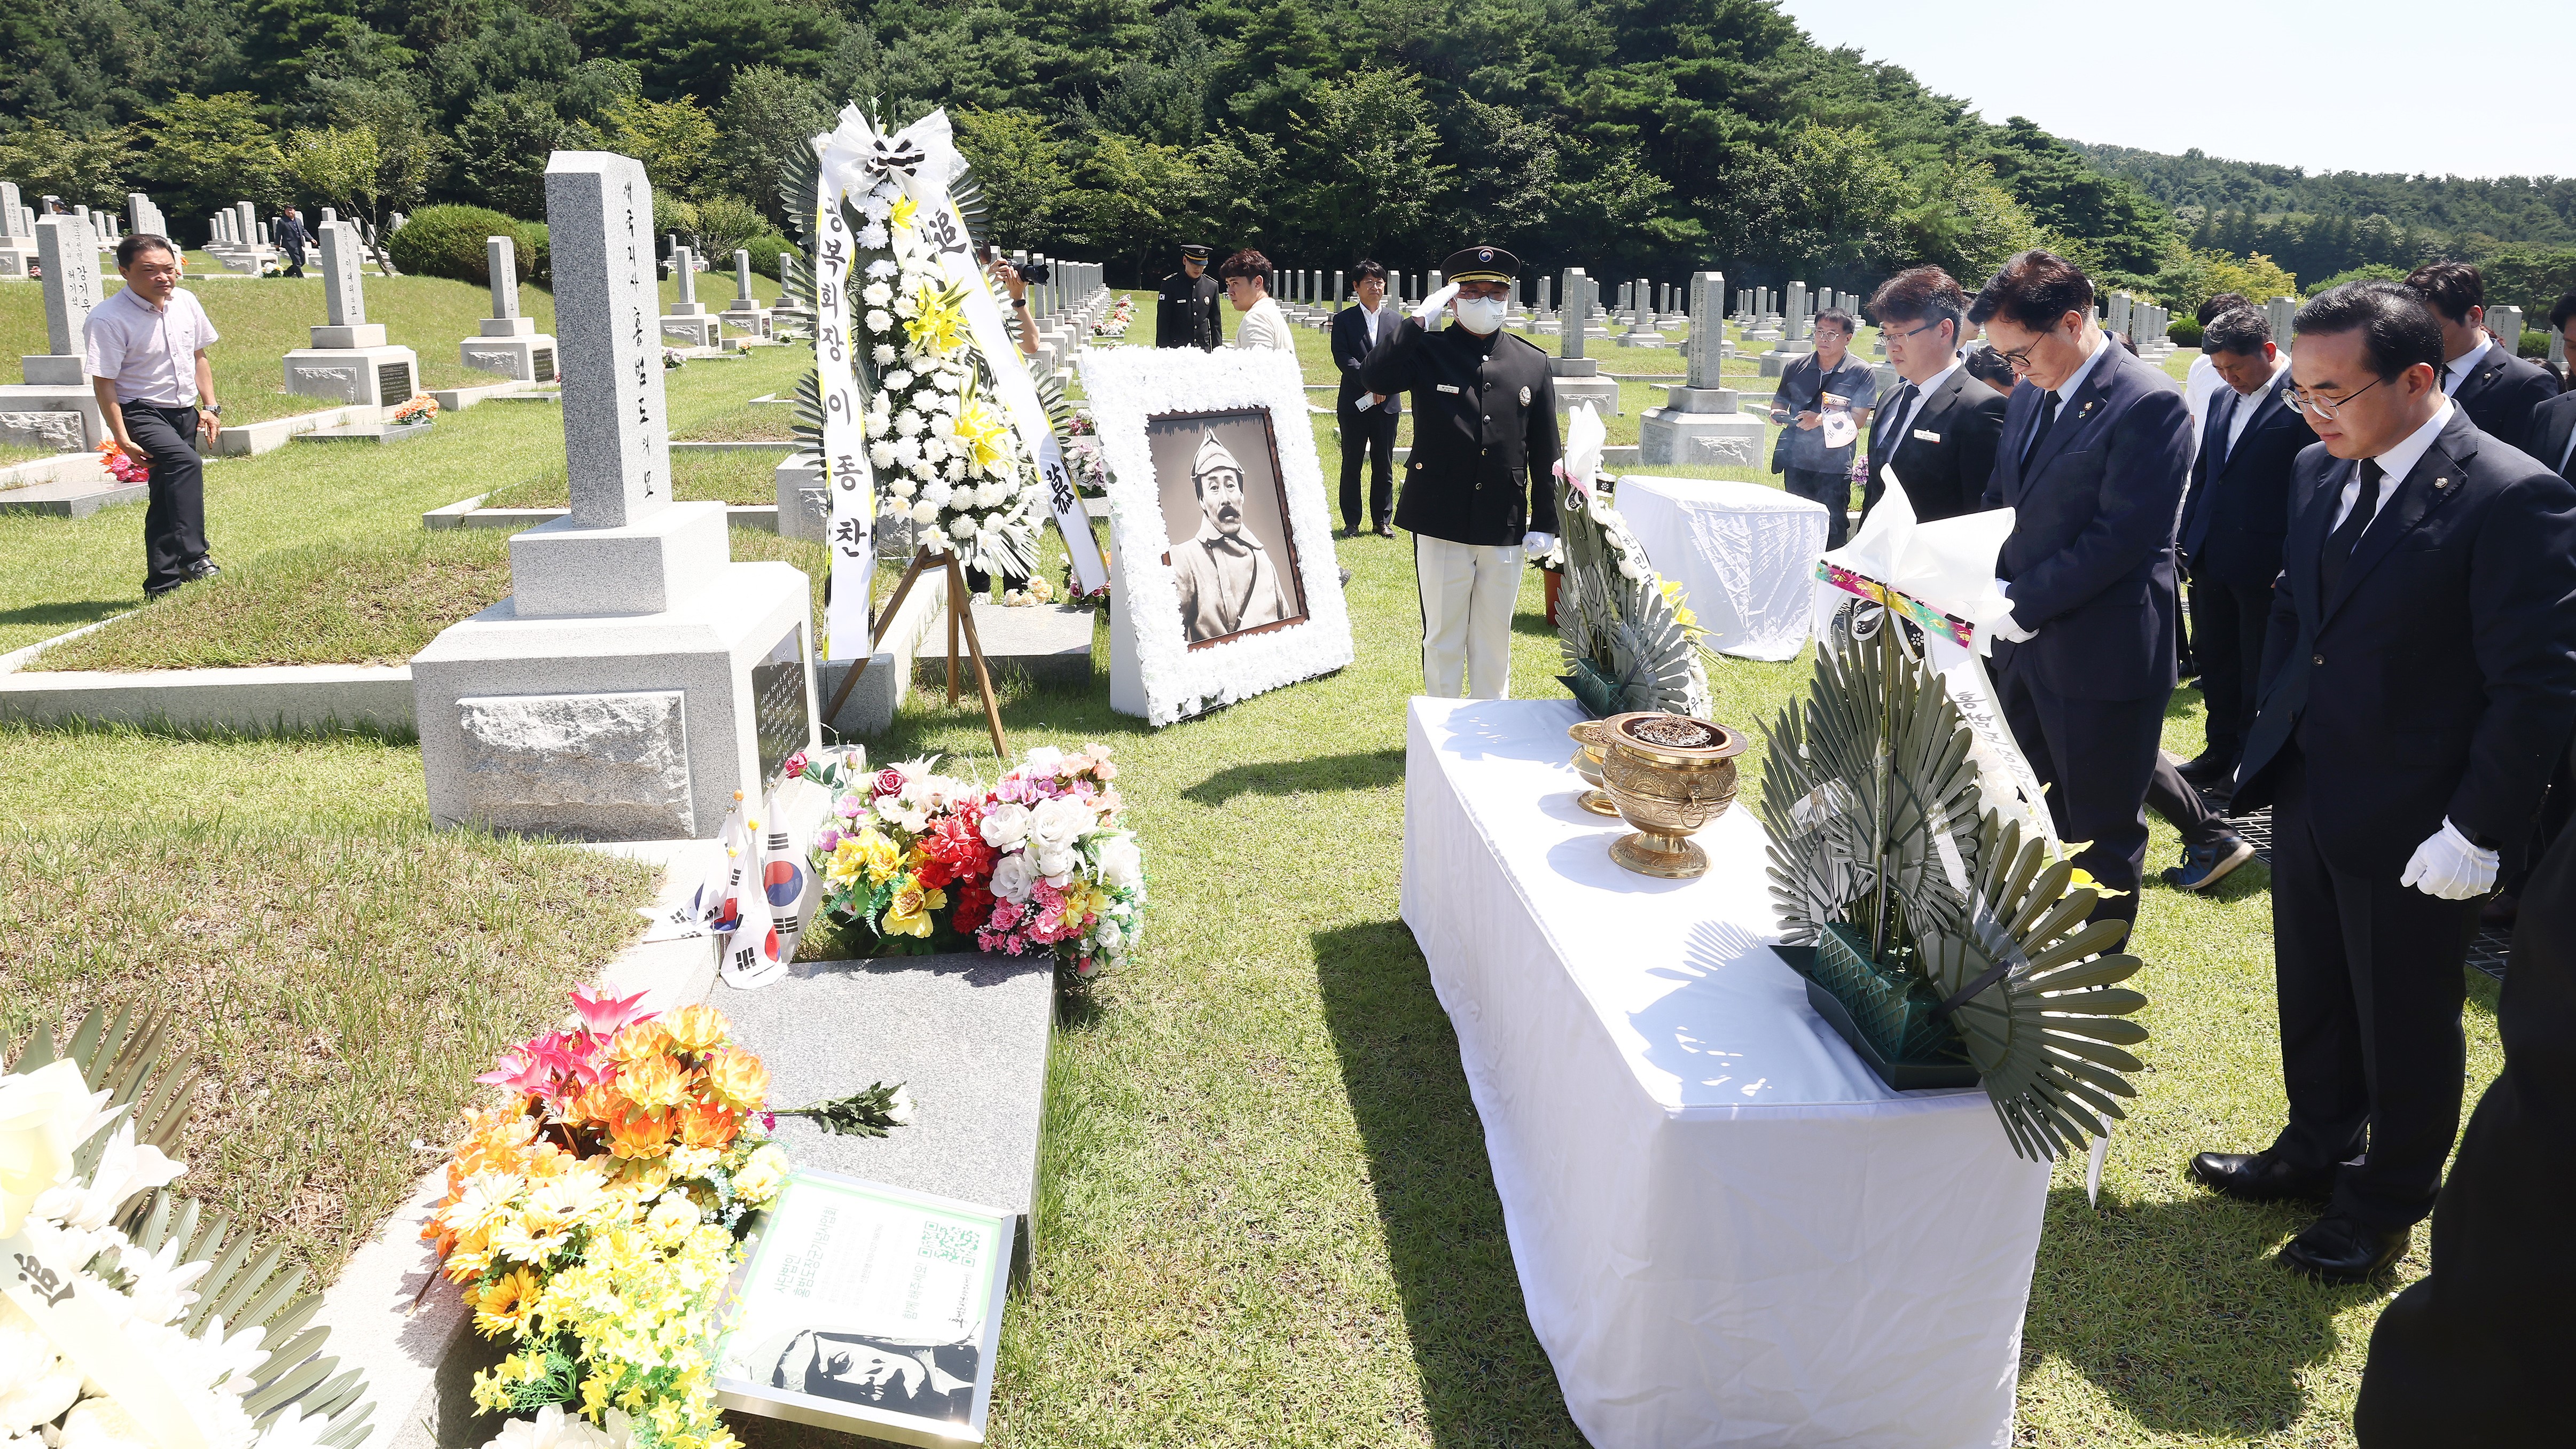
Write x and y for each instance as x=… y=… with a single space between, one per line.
x=960 y=611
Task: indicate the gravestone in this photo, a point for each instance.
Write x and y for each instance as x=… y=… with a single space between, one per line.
x=1544 y=315
x=1578 y=378
x=349 y=360
x=2505 y=324
x=1642 y=328
x=2283 y=314
x=2115 y=314
x=507 y=344
x=17 y=238
x=55 y=409
x=1341 y=292
x=2558 y=348
x=1797 y=334
x=687 y=323
x=1763 y=324
x=745 y=310
x=637 y=677
x=1698 y=423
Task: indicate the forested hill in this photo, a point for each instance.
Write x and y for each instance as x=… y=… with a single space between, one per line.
x=1653 y=134
x=2469 y=214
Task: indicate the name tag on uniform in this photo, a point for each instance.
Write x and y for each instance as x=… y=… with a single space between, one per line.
x=1927 y=436
x=1445 y=387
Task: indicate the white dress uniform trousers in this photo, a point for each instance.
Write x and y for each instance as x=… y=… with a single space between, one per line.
x=1468 y=592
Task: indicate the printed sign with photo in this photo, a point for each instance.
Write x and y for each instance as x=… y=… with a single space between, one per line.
x=869 y=1309
x=1220 y=537
x=1225 y=511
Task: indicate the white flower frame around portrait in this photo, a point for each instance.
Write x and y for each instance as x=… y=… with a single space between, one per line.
x=1153 y=670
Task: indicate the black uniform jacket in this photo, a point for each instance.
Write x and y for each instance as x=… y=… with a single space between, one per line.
x=2440 y=677
x=1186 y=313
x=2239 y=507
x=1484 y=432
x=1946 y=453
x=2500 y=392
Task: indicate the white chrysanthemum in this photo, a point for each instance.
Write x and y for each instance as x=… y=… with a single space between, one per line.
x=924 y=469
x=953 y=470
x=901 y=487
x=898 y=380
x=881 y=453
x=884 y=354
x=924 y=513
x=873 y=235
x=878 y=321
x=881 y=268
x=908 y=423
x=877 y=294
x=907 y=451
x=552 y=1428
x=937 y=495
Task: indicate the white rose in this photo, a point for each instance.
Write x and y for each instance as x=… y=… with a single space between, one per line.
x=1122 y=865
x=878 y=294
x=925 y=513
x=1107 y=935
x=1005 y=826
x=1059 y=821
x=1056 y=861
x=1013 y=878
x=878 y=321
x=1045 y=760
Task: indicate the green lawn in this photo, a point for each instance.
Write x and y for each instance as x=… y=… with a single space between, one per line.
x=1269 y=1218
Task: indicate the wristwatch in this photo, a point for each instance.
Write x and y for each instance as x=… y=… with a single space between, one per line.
x=216 y=408
x=1020 y=302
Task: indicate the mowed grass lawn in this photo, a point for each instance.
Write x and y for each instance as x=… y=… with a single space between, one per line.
x=1269 y=1218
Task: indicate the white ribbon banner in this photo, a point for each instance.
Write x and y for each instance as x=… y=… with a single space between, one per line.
x=848 y=480
x=60 y=1304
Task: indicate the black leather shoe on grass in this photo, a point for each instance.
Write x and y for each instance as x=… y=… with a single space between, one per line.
x=2342 y=1251
x=202 y=570
x=2204 y=866
x=2207 y=769
x=2261 y=1177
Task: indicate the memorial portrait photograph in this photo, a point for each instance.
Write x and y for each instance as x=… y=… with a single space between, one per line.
x=925 y=1380
x=1225 y=514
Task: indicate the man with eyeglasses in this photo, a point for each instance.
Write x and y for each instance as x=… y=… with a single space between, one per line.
x=1937 y=436
x=1480 y=486
x=2096 y=445
x=147 y=359
x=2421 y=682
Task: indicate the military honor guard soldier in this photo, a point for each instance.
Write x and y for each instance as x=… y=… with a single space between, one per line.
x=1480 y=486
x=1186 y=312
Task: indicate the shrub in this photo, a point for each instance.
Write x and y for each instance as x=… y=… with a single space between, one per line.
x=725 y=223
x=447 y=241
x=765 y=248
x=2183 y=332
x=2535 y=342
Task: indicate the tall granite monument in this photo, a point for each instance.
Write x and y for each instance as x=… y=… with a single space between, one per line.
x=350 y=360
x=636 y=677
x=1698 y=423
x=506 y=343
x=55 y=409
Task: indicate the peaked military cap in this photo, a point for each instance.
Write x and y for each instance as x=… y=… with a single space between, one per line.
x=1481 y=264
x=1194 y=253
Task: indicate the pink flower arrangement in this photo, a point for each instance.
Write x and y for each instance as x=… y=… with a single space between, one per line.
x=121 y=465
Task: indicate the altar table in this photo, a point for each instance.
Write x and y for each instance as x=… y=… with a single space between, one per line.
x=1727 y=1231
x=1745 y=556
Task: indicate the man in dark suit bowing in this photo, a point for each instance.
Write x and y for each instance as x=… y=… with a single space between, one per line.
x=2553 y=434
x=1938 y=433
x=2095 y=448
x=2232 y=522
x=2421 y=682
x=2482 y=372
x=1366 y=419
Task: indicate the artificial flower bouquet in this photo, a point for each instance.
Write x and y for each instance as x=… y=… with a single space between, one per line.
x=1120 y=316
x=420 y=411
x=122 y=465
x=594 y=1221
x=1036 y=864
x=1038 y=592
x=1082 y=456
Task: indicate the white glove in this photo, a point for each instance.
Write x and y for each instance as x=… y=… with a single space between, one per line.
x=1538 y=542
x=2008 y=628
x=2447 y=865
x=1429 y=311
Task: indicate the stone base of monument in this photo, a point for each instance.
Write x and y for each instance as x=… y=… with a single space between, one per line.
x=681 y=680
x=71 y=500
x=369 y=374
x=691 y=331
x=368 y=434
x=754 y=320
x=33 y=413
x=17 y=259
x=526 y=358
x=1694 y=430
x=1777 y=360
x=1634 y=338
x=1047 y=644
x=871 y=706
x=1579 y=380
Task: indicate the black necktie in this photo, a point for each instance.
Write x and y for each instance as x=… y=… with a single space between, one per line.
x=2340 y=543
x=2047 y=420
x=1888 y=439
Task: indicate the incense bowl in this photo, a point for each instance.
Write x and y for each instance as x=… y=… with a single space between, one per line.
x=1668 y=775
x=1588 y=745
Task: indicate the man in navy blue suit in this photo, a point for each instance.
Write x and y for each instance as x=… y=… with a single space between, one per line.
x=2485 y=374
x=2096 y=445
x=2421 y=682
x=2232 y=523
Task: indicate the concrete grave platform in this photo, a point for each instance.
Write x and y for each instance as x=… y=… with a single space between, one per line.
x=966 y=1034
x=1050 y=644
x=377 y=434
x=470 y=513
x=72 y=500
x=255 y=701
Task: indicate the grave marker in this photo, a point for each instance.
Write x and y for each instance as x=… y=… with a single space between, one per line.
x=745 y=310
x=17 y=236
x=687 y=323
x=350 y=360
x=1578 y=378
x=55 y=409
x=1698 y=424
x=506 y=343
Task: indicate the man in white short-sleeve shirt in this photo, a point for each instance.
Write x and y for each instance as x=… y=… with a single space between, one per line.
x=147 y=360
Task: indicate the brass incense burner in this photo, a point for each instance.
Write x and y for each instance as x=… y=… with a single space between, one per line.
x=1588 y=744
x=1668 y=774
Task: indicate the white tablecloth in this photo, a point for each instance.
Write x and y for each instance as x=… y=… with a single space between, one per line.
x=1727 y=1231
x=1744 y=554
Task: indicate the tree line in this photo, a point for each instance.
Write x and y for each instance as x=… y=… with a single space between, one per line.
x=1629 y=136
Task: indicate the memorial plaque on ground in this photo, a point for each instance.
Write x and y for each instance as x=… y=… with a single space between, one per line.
x=781 y=714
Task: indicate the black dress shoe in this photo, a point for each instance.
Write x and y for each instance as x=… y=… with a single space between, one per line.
x=2208 y=769
x=200 y=571
x=2261 y=1177
x=2340 y=1251
x=1386 y=530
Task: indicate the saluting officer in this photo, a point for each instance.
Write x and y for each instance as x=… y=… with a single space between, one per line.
x=1186 y=313
x=1480 y=487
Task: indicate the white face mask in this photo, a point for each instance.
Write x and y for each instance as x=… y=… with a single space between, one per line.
x=1480 y=315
